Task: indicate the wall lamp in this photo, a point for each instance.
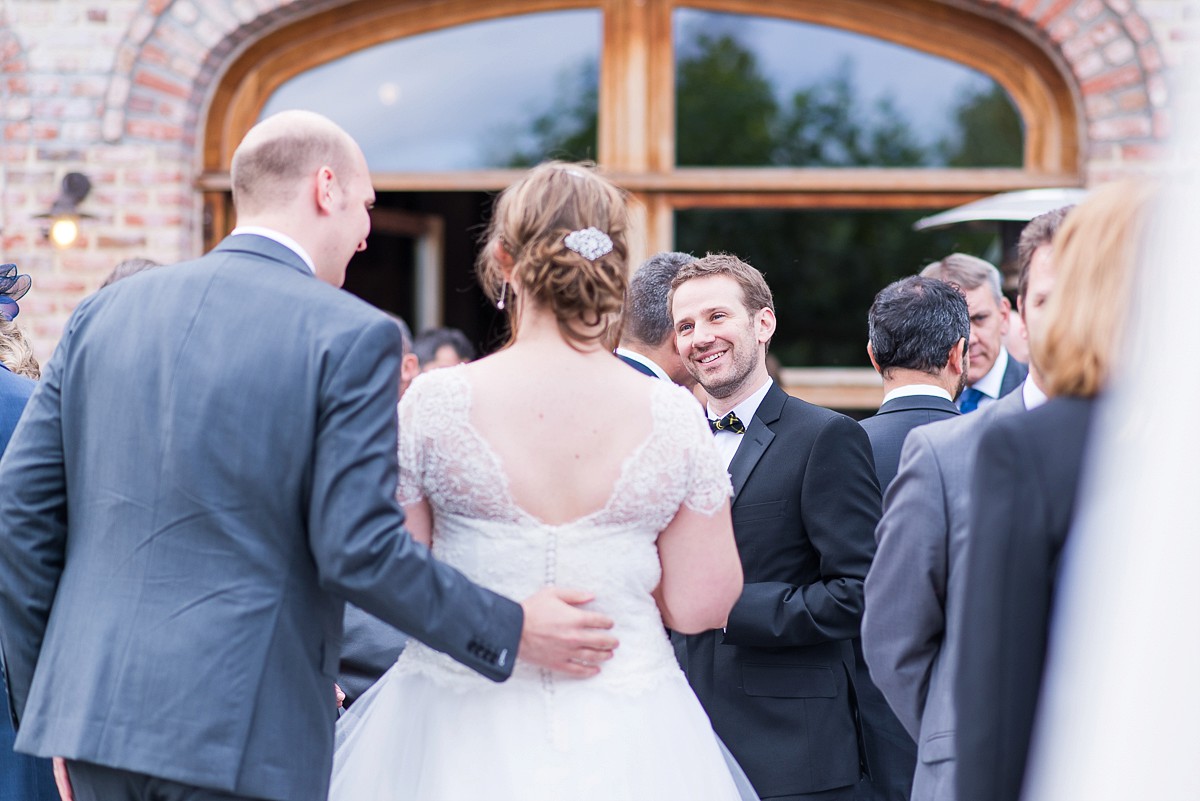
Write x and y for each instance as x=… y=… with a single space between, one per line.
x=64 y=216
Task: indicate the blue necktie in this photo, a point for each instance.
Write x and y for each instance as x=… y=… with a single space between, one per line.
x=969 y=400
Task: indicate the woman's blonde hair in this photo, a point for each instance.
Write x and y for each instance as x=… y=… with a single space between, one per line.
x=531 y=221
x=1096 y=253
x=15 y=351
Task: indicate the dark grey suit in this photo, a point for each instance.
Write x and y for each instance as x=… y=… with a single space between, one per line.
x=891 y=424
x=913 y=593
x=1014 y=375
x=778 y=683
x=206 y=470
x=369 y=648
x=891 y=752
x=22 y=778
x=1030 y=466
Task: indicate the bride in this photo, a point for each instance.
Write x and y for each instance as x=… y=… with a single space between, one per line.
x=551 y=462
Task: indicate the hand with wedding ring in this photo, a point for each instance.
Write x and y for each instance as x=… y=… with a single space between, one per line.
x=560 y=636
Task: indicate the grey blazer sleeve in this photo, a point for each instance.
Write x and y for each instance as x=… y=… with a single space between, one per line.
x=33 y=530
x=839 y=507
x=353 y=517
x=904 y=622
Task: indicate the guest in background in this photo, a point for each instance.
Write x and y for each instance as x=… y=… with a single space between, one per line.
x=918 y=329
x=914 y=609
x=1029 y=469
x=443 y=347
x=22 y=778
x=778 y=679
x=370 y=646
x=647 y=334
x=127 y=268
x=992 y=373
x=15 y=352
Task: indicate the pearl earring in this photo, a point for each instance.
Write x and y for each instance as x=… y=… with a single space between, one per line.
x=503 y=292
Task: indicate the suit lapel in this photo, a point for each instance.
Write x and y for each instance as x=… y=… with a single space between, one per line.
x=757 y=438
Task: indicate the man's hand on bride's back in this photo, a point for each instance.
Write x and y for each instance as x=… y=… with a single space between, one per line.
x=562 y=637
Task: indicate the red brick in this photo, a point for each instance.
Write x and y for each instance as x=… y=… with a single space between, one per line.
x=152 y=81
x=1151 y=58
x=1143 y=152
x=58 y=282
x=97 y=15
x=1120 y=52
x=121 y=241
x=149 y=129
x=1099 y=106
x=1137 y=28
x=1113 y=79
x=45 y=131
x=152 y=54
x=1162 y=124
x=1062 y=29
x=1089 y=66
x=1116 y=129
x=1133 y=100
x=1088 y=10
x=1103 y=32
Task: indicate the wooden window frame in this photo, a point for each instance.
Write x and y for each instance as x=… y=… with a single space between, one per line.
x=636 y=136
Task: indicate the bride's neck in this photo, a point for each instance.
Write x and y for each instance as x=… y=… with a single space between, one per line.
x=538 y=328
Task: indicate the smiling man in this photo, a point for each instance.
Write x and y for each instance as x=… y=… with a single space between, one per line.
x=992 y=372
x=777 y=682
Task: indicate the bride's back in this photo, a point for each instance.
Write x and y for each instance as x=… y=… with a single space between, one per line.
x=563 y=424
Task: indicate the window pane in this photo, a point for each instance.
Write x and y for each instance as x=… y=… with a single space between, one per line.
x=499 y=93
x=824 y=268
x=756 y=91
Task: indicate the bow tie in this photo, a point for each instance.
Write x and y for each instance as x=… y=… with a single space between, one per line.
x=729 y=422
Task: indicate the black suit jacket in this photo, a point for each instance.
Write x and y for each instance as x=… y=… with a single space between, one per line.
x=1026 y=477
x=891 y=752
x=778 y=682
x=888 y=428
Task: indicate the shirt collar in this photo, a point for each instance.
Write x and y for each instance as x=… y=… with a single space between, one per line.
x=1032 y=394
x=746 y=409
x=990 y=384
x=910 y=390
x=644 y=361
x=275 y=236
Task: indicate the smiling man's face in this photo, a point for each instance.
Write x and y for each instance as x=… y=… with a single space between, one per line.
x=722 y=344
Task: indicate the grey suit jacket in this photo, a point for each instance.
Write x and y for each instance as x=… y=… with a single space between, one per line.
x=206 y=471
x=914 y=587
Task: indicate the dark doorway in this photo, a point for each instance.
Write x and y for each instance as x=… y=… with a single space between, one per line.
x=388 y=273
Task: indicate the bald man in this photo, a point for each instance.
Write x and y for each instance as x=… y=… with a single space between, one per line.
x=205 y=473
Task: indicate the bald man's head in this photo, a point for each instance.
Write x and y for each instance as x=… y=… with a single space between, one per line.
x=282 y=150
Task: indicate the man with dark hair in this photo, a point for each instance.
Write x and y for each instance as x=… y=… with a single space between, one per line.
x=778 y=680
x=917 y=329
x=912 y=624
x=442 y=347
x=648 y=336
x=991 y=372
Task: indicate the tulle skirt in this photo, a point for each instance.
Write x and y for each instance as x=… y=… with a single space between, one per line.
x=412 y=737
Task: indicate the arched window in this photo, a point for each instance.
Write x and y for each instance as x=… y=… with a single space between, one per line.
x=807 y=138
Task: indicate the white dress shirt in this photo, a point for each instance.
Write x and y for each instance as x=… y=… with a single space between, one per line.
x=1032 y=394
x=645 y=362
x=911 y=390
x=275 y=236
x=727 y=442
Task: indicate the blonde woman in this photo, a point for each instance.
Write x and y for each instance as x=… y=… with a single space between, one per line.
x=1028 y=471
x=551 y=462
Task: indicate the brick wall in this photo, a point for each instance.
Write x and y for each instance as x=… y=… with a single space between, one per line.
x=117 y=89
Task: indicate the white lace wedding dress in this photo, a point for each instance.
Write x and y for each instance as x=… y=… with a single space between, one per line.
x=434 y=730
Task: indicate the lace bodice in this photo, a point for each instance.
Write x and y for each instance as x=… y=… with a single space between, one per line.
x=478 y=527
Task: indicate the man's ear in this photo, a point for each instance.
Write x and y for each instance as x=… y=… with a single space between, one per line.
x=765 y=325
x=324 y=188
x=871 y=356
x=1005 y=308
x=957 y=360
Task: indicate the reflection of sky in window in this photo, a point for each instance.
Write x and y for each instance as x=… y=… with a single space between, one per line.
x=793 y=55
x=460 y=98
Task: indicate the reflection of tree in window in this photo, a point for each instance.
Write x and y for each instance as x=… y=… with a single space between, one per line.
x=567 y=130
x=988 y=131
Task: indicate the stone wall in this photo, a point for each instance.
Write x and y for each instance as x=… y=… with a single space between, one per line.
x=117 y=89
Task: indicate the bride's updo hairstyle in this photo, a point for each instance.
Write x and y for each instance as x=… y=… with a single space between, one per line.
x=565 y=227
